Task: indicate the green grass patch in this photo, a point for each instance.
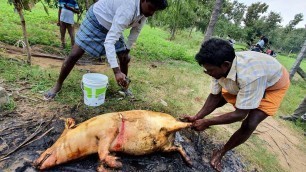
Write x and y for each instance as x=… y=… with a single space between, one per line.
x=151 y=85
x=10 y=106
x=41 y=28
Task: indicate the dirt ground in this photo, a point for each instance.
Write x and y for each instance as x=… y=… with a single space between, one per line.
x=280 y=140
x=18 y=126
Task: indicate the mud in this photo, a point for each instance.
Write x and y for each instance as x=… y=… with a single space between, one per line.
x=15 y=129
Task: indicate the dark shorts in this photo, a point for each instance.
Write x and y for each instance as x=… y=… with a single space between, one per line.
x=91 y=36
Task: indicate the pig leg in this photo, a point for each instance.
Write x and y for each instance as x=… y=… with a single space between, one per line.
x=113 y=162
x=181 y=151
x=103 y=151
x=178 y=126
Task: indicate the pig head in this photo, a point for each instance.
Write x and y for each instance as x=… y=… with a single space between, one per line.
x=136 y=132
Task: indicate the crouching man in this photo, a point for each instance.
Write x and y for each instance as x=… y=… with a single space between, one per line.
x=253 y=82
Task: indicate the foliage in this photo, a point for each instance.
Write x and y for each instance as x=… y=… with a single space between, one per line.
x=190 y=15
x=253 y=13
x=41 y=28
x=297 y=19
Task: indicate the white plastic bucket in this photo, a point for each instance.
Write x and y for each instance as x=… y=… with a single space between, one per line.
x=94 y=87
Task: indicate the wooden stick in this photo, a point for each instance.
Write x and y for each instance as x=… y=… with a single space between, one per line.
x=39 y=136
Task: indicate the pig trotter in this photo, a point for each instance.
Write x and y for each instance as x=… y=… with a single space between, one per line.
x=181 y=151
x=113 y=162
x=101 y=168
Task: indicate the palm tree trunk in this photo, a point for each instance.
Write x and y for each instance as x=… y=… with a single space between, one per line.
x=213 y=20
x=18 y=6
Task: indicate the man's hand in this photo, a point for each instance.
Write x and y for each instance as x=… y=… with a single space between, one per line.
x=188 y=118
x=200 y=125
x=120 y=77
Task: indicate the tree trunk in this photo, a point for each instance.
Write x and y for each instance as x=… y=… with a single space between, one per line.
x=298 y=61
x=86 y=5
x=18 y=6
x=173 y=30
x=213 y=20
x=192 y=26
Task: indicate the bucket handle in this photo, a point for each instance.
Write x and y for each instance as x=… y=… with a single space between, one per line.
x=82 y=87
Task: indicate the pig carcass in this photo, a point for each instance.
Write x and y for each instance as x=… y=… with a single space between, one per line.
x=136 y=132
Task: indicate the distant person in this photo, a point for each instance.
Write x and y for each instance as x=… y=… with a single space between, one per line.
x=101 y=33
x=66 y=11
x=255 y=83
x=270 y=52
x=231 y=40
x=260 y=45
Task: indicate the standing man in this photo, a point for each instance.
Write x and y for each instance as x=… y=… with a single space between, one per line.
x=66 y=11
x=102 y=33
x=253 y=82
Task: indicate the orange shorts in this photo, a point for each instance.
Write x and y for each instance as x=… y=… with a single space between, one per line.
x=273 y=95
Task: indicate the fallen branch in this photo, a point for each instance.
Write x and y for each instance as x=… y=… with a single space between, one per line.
x=15 y=50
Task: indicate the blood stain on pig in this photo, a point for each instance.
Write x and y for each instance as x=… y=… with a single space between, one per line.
x=120 y=137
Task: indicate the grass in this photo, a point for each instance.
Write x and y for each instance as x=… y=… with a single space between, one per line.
x=10 y=106
x=161 y=70
x=37 y=23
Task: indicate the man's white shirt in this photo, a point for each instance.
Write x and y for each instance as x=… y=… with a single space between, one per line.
x=117 y=15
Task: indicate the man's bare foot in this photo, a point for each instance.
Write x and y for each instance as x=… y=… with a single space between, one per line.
x=215 y=161
x=50 y=94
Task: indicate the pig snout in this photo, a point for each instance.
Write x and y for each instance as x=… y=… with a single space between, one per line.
x=46 y=160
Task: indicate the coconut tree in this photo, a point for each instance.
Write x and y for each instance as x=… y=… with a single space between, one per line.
x=213 y=20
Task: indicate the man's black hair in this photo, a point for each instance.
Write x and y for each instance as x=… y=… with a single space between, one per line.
x=159 y=4
x=215 y=52
x=266 y=40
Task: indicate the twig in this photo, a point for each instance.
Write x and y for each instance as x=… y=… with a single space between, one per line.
x=24 y=142
x=280 y=150
x=2 y=159
x=24 y=88
x=279 y=132
x=39 y=136
x=16 y=126
x=260 y=132
x=26 y=97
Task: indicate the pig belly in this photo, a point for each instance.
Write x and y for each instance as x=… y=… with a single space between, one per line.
x=135 y=138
